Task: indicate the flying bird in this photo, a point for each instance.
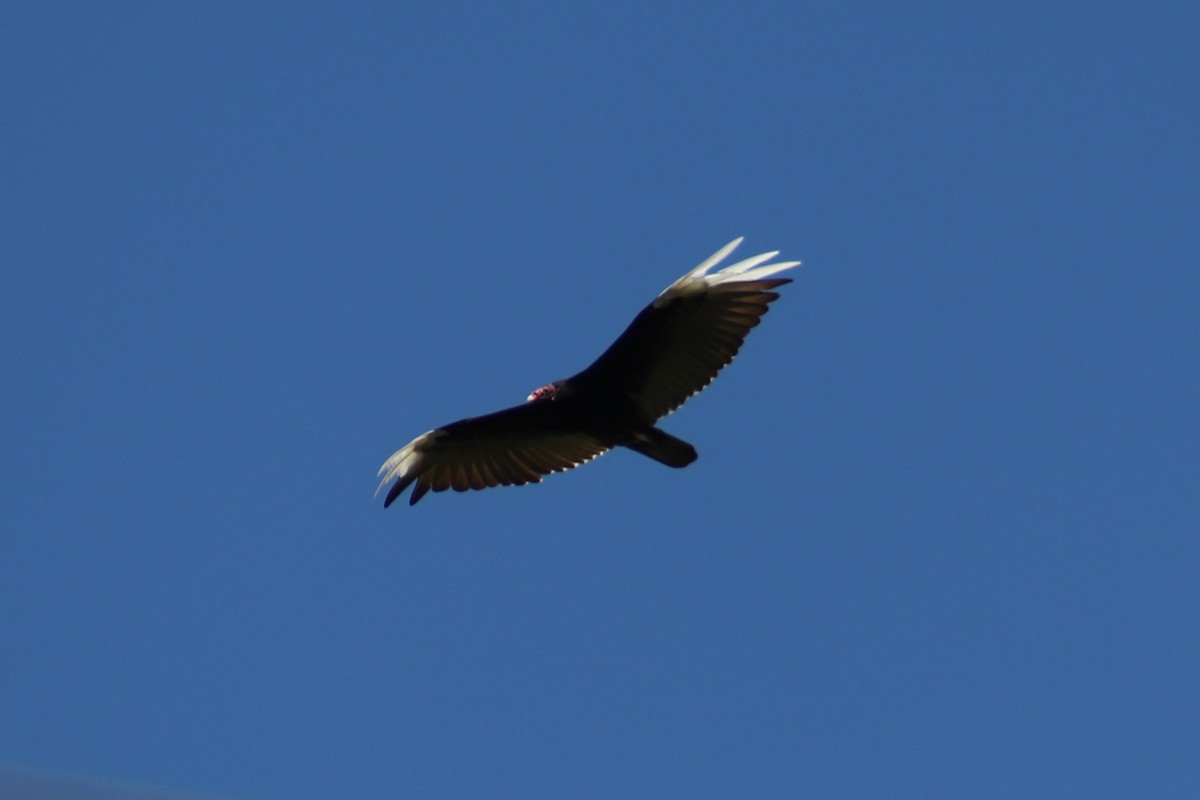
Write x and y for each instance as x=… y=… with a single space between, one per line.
x=671 y=350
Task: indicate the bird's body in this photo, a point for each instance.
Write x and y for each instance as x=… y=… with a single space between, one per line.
x=671 y=350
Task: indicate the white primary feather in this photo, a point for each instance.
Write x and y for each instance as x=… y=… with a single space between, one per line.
x=743 y=271
x=398 y=465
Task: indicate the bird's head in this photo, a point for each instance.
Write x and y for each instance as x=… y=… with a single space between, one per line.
x=546 y=392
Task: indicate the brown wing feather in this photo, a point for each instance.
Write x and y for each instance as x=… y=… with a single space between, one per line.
x=678 y=344
x=509 y=448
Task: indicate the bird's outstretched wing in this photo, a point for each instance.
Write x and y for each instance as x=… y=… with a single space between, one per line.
x=678 y=343
x=507 y=448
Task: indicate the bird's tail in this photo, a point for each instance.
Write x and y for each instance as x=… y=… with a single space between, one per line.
x=662 y=447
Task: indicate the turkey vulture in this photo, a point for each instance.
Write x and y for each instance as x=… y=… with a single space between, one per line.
x=671 y=350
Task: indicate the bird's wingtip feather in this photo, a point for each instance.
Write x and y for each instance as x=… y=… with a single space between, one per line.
x=713 y=260
x=750 y=269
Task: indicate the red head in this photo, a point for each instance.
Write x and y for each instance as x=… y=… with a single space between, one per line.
x=546 y=392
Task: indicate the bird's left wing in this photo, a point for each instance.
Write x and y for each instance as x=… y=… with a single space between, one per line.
x=678 y=343
x=507 y=448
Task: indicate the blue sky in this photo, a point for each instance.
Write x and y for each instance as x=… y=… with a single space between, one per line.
x=941 y=540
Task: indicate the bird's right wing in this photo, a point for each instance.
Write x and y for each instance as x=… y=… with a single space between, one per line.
x=507 y=448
